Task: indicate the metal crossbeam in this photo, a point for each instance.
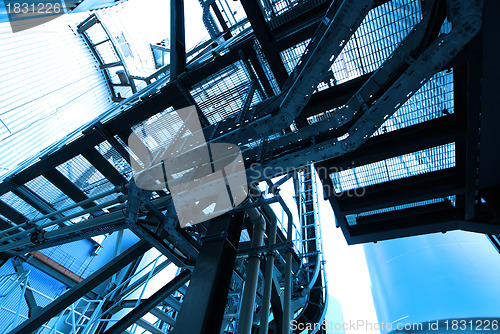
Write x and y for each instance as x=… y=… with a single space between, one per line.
x=79 y=290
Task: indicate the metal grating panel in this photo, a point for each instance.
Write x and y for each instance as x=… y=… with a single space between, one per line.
x=224 y=93
x=424 y=161
x=86 y=177
x=162 y=129
x=77 y=262
x=51 y=194
x=432 y=100
x=376 y=38
x=114 y=158
x=21 y=206
x=291 y=56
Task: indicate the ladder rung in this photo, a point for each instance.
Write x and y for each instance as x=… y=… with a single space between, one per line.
x=104 y=66
x=101 y=42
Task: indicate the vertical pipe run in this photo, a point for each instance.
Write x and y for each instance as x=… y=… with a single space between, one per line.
x=252 y=274
x=268 y=275
x=287 y=293
x=177 y=38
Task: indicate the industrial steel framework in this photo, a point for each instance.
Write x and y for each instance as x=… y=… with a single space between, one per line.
x=291 y=119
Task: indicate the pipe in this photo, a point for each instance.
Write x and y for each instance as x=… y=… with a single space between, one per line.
x=119 y=199
x=72 y=206
x=268 y=275
x=252 y=274
x=95 y=222
x=287 y=296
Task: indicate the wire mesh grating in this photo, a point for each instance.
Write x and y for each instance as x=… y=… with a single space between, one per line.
x=86 y=177
x=420 y=162
x=223 y=94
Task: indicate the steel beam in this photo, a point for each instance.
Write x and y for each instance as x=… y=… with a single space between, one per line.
x=82 y=288
x=4 y=225
x=432 y=218
x=406 y=190
x=67 y=187
x=490 y=117
x=147 y=305
x=203 y=306
x=10 y=213
x=104 y=167
x=177 y=39
x=439 y=131
x=263 y=35
x=337 y=27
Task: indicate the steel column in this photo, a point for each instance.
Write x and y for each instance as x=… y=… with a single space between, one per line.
x=203 y=306
x=263 y=34
x=177 y=38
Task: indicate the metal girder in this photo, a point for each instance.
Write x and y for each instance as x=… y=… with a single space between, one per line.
x=439 y=53
x=146 y=108
x=177 y=39
x=490 y=115
x=433 y=59
x=42 y=266
x=106 y=223
x=263 y=35
x=104 y=167
x=12 y=214
x=336 y=28
x=37 y=202
x=155 y=238
x=82 y=288
x=467 y=102
x=147 y=305
x=136 y=197
x=411 y=139
x=67 y=187
x=328 y=194
x=90 y=228
x=259 y=71
x=4 y=225
x=492 y=198
x=203 y=306
x=432 y=218
x=220 y=18
x=411 y=189
x=495 y=241
x=330 y=98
